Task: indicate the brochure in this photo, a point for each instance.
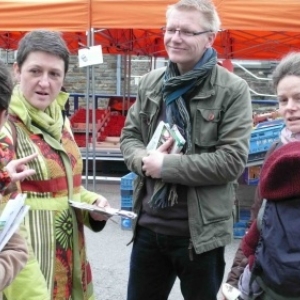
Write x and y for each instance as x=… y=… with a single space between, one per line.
x=162 y=133
x=11 y=218
x=108 y=211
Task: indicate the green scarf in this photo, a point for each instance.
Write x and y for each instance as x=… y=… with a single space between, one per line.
x=50 y=120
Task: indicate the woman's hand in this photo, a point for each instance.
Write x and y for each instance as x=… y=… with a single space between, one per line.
x=103 y=203
x=18 y=169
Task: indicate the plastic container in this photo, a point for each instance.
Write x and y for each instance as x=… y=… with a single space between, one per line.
x=127 y=189
x=127 y=181
x=264 y=136
x=126 y=224
x=126 y=201
x=126 y=193
x=239 y=229
x=244 y=214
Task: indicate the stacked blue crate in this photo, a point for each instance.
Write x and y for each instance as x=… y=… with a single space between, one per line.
x=126 y=190
x=262 y=137
x=240 y=227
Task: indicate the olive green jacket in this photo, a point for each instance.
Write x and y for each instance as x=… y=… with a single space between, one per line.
x=221 y=118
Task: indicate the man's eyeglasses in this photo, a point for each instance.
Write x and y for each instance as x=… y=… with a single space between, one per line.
x=183 y=33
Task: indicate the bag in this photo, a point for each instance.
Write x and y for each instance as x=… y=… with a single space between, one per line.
x=277 y=263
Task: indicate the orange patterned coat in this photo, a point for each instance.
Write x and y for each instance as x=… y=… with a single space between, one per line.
x=58 y=268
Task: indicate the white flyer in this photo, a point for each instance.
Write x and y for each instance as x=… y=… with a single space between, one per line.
x=90 y=56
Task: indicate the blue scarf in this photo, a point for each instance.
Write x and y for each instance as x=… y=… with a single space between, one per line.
x=174 y=87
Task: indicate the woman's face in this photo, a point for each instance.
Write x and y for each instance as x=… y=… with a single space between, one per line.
x=288 y=92
x=41 y=78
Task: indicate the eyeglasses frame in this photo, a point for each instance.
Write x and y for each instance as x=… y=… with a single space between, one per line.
x=164 y=29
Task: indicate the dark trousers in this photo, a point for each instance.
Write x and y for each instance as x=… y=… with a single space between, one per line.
x=156 y=261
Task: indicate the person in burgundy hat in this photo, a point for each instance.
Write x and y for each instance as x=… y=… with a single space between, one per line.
x=277 y=222
x=282 y=194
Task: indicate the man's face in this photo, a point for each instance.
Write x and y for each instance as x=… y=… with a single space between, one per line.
x=186 y=49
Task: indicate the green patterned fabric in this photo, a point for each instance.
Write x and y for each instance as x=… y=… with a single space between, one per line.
x=58 y=268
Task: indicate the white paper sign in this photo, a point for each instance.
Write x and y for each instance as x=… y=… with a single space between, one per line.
x=90 y=56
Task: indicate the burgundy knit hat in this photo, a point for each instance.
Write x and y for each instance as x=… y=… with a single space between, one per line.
x=280 y=174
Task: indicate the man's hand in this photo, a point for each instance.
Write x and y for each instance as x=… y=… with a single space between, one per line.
x=152 y=163
x=18 y=169
x=103 y=203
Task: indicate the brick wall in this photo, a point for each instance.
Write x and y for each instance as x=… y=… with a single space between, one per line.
x=105 y=75
x=110 y=77
x=106 y=79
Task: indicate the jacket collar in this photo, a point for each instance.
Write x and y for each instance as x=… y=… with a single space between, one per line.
x=154 y=92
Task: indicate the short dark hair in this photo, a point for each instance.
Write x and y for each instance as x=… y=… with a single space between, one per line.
x=6 y=86
x=46 y=41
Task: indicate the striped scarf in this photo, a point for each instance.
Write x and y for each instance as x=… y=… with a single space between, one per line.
x=174 y=87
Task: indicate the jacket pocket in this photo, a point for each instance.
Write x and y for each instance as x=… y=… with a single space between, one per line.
x=206 y=126
x=215 y=202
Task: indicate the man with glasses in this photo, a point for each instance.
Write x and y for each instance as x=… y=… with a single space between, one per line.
x=184 y=201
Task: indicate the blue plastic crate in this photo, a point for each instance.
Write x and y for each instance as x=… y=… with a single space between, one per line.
x=126 y=193
x=263 y=137
x=240 y=228
x=126 y=208
x=244 y=214
x=127 y=181
x=126 y=201
x=240 y=224
x=126 y=189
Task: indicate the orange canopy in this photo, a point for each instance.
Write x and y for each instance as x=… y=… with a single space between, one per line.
x=256 y=29
x=26 y=15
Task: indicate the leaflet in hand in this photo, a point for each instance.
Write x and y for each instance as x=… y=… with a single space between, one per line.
x=161 y=134
x=108 y=211
x=11 y=218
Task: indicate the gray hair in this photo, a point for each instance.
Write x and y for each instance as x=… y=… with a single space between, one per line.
x=289 y=65
x=46 y=41
x=206 y=7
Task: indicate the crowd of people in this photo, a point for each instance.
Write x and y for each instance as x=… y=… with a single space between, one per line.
x=184 y=201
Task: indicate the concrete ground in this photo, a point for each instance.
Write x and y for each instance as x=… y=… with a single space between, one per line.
x=109 y=255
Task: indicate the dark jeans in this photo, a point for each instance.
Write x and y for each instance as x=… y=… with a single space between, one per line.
x=156 y=261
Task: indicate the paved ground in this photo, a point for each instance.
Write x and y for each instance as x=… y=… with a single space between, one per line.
x=109 y=255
